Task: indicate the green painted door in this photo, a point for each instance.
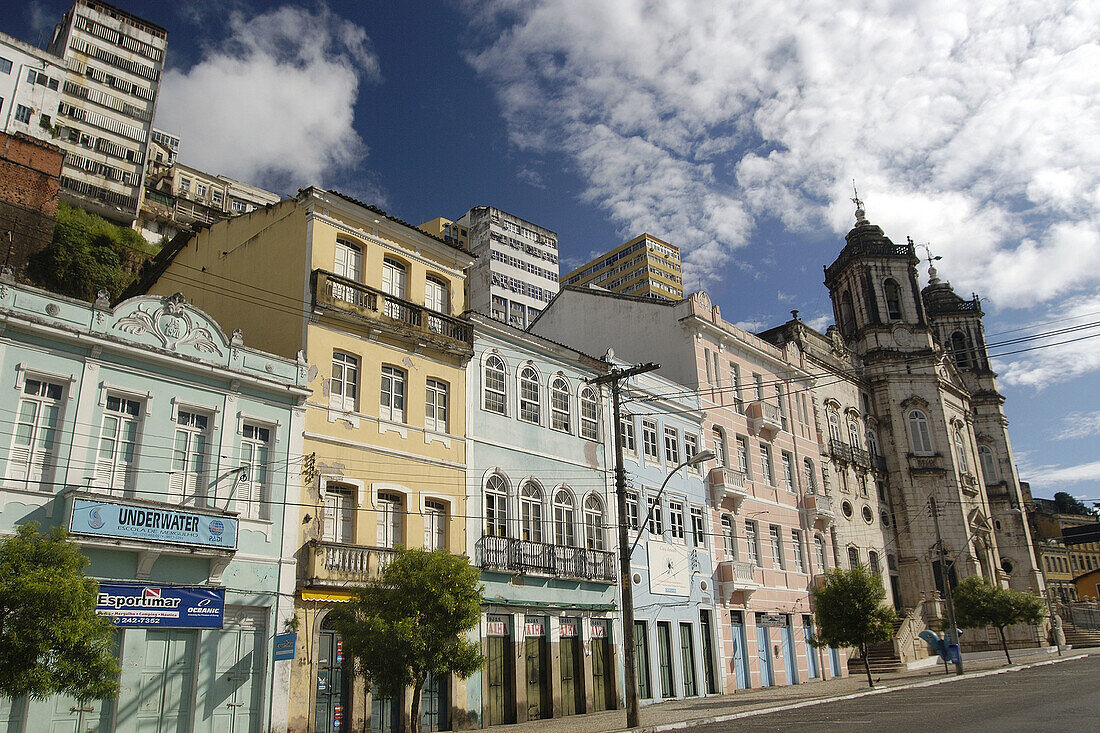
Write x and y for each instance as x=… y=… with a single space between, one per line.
x=687 y=660
x=385 y=714
x=11 y=714
x=603 y=689
x=331 y=710
x=535 y=658
x=69 y=715
x=664 y=658
x=234 y=659
x=167 y=681
x=434 y=703
x=641 y=660
x=572 y=673
x=707 y=634
x=498 y=699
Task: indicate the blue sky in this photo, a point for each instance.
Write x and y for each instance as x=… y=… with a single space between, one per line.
x=732 y=129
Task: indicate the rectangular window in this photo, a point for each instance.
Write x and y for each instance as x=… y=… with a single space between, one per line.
x=744 y=465
x=766 y=464
x=752 y=541
x=216 y=197
x=435 y=406
x=626 y=434
x=691 y=448
x=256 y=458
x=5 y=66
x=185 y=184
x=758 y=381
x=499 y=308
x=698 y=527
x=187 y=483
x=788 y=471
x=656 y=518
x=706 y=363
x=649 y=439
x=559 y=407
x=777 y=547
x=435 y=525
x=632 y=509
x=200 y=190
x=782 y=400
x=729 y=537
x=393 y=394
x=798 y=551
x=738 y=398
x=853 y=556
x=239 y=207
x=529 y=396
x=339 y=515
x=590 y=427
x=116 y=462
x=672 y=447
x=676 y=520
x=23 y=113
x=34 y=443
x=344 y=385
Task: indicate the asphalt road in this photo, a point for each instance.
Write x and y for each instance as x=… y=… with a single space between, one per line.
x=1056 y=697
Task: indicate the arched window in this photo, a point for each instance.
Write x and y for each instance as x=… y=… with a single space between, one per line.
x=590 y=421
x=559 y=404
x=530 y=512
x=960 y=451
x=494 y=390
x=436 y=299
x=834 y=427
x=721 y=450
x=872 y=560
x=394 y=283
x=593 y=523
x=960 y=350
x=564 y=531
x=529 y=395
x=389 y=512
x=847 y=314
x=348 y=263
x=920 y=439
x=893 y=299
x=853 y=433
x=872 y=443
x=822 y=557
x=496 y=507
x=811 y=475
x=989 y=467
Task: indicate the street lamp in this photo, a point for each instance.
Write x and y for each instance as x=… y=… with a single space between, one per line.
x=627 y=590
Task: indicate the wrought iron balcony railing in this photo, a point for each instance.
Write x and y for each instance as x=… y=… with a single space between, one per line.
x=522 y=556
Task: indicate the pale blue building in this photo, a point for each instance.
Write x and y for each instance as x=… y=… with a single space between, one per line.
x=173 y=455
x=541 y=528
x=676 y=640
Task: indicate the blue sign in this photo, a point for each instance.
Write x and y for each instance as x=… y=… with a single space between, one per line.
x=120 y=520
x=285 y=644
x=131 y=605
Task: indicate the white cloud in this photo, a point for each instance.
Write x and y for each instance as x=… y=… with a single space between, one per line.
x=970 y=125
x=274 y=104
x=1058 y=358
x=1080 y=425
x=1050 y=476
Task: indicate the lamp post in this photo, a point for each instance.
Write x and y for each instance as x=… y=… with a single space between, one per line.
x=629 y=659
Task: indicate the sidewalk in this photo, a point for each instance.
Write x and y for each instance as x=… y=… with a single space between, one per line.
x=702 y=708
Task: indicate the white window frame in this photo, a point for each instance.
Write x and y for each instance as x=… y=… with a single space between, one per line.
x=744 y=457
x=115 y=474
x=495 y=395
x=649 y=440
x=766 y=464
x=920 y=436
x=691 y=449
x=393 y=393
x=672 y=446
x=656 y=525
x=530 y=395
x=389 y=507
x=186 y=486
x=698 y=527
x=626 y=434
x=33 y=462
x=798 y=551
x=589 y=414
x=676 y=520
x=565 y=518
x=344 y=381
x=561 y=413
x=252 y=492
x=436 y=519
x=775 y=534
x=729 y=536
x=496 y=507
x=436 y=404
x=752 y=541
x=788 y=470
x=339 y=508
x=593 y=523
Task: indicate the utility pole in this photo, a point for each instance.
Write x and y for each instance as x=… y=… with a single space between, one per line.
x=952 y=632
x=630 y=677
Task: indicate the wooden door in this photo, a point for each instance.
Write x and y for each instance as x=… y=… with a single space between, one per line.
x=535 y=658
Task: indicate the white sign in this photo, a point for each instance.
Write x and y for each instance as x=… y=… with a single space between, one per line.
x=599 y=629
x=669 y=569
x=534 y=626
x=568 y=628
x=497 y=626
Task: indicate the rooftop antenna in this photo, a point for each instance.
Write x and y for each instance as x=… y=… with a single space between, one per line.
x=933 y=278
x=861 y=216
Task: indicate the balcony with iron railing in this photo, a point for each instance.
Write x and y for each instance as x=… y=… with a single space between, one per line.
x=932 y=463
x=522 y=556
x=839 y=450
x=729 y=484
x=356 y=301
x=764 y=417
x=861 y=457
x=339 y=563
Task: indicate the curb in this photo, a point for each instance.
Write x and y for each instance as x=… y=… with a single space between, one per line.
x=680 y=725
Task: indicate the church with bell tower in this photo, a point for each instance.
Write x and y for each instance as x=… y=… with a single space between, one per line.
x=940 y=416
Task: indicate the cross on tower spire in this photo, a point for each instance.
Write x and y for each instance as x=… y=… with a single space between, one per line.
x=861 y=217
x=933 y=277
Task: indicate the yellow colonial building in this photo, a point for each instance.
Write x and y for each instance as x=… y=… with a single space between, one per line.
x=370 y=302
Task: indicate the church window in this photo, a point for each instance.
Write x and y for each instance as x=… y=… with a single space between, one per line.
x=960 y=350
x=847 y=313
x=920 y=439
x=893 y=299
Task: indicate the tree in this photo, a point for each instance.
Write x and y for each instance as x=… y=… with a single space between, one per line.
x=1066 y=504
x=87 y=254
x=412 y=622
x=849 y=612
x=979 y=604
x=51 y=640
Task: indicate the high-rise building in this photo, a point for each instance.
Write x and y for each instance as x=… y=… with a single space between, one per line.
x=644 y=266
x=516 y=273
x=113 y=63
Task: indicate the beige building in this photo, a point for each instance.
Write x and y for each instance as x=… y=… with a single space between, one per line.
x=370 y=302
x=113 y=62
x=644 y=266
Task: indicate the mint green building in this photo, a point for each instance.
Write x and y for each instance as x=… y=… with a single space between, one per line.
x=173 y=455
